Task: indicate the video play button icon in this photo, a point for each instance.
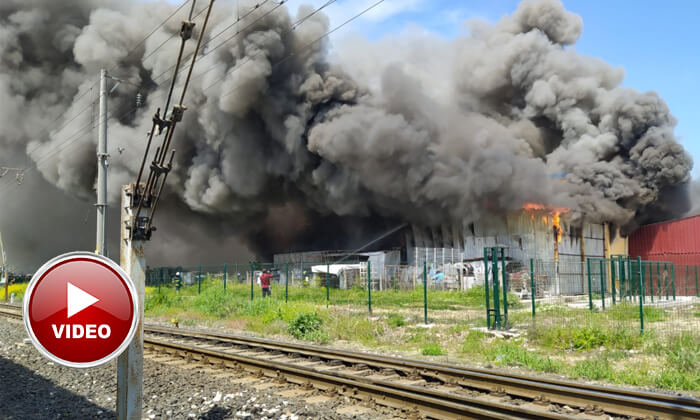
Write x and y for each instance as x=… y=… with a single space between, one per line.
x=78 y=299
x=81 y=310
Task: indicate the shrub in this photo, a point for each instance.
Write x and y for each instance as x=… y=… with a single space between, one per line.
x=432 y=349
x=396 y=320
x=154 y=300
x=305 y=326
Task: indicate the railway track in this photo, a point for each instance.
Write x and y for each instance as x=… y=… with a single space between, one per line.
x=422 y=388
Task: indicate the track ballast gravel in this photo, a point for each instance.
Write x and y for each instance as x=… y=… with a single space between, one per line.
x=32 y=387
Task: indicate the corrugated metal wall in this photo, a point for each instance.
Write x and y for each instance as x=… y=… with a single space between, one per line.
x=526 y=235
x=676 y=241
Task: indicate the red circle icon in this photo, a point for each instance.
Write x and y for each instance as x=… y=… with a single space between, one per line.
x=81 y=309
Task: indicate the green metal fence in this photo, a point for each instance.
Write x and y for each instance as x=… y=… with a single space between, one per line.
x=617 y=292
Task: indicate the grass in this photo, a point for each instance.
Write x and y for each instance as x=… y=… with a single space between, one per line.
x=585 y=338
x=432 y=349
x=514 y=354
x=396 y=320
x=569 y=341
x=675 y=367
x=389 y=298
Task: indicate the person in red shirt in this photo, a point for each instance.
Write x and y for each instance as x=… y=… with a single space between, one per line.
x=265 y=282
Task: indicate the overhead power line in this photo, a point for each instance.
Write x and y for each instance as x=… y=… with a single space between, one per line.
x=173 y=35
x=140 y=43
x=293 y=53
x=141 y=227
x=293 y=27
x=240 y=18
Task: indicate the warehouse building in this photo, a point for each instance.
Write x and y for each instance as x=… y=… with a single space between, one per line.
x=539 y=233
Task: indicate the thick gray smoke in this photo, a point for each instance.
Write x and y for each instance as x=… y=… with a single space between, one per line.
x=289 y=149
x=694 y=198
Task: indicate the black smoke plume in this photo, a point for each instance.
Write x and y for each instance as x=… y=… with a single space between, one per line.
x=285 y=148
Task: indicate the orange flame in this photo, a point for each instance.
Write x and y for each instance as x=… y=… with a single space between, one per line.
x=555 y=212
x=557 y=226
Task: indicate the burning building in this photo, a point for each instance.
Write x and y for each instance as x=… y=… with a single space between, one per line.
x=290 y=148
x=537 y=232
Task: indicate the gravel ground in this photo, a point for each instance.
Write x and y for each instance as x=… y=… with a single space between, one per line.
x=32 y=387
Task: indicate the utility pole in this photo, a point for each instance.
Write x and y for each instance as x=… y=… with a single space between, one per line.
x=133 y=261
x=102 y=164
x=138 y=203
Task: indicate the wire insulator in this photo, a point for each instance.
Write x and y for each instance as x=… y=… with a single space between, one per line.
x=186 y=29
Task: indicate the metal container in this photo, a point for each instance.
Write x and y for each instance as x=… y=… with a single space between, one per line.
x=676 y=241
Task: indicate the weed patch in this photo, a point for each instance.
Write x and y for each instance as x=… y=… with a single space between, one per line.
x=596 y=368
x=305 y=326
x=585 y=338
x=473 y=343
x=432 y=349
x=514 y=354
x=396 y=320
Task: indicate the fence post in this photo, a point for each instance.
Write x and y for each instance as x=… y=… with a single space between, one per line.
x=532 y=285
x=286 y=282
x=199 y=280
x=644 y=283
x=328 y=282
x=623 y=279
x=160 y=279
x=225 y=269
x=641 y=303
x=486 y=288
x=369 y=287
x=643 y=292
x=252 y=279
x=687 y=272
x=630 y=279
x=658 y=278
x=666 y=279
x=590 y=292
x=612 y=278
x=651 y=281
x=673 y=280
x=425 y=292
x=697 y=291
x=505 y=286
x=602 y=286
x=496 y=294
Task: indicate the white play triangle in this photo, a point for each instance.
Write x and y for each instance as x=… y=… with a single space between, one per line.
x=78 y=300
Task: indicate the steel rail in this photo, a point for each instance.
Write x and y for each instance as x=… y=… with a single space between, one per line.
x=432 y=403
x=611 y=399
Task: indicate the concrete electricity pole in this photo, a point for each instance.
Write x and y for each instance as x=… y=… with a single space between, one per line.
x=102 y=164
x=139 y=202
x=133 y=261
